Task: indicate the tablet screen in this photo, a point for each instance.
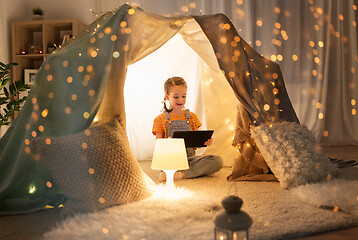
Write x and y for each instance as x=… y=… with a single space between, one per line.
x=194 y=138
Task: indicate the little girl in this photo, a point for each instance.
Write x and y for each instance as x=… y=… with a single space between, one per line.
x=177 y=119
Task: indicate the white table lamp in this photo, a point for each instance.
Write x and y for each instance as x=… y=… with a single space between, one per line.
x=169 y=155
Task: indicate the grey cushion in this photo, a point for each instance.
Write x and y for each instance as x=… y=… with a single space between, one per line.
x=95 y=168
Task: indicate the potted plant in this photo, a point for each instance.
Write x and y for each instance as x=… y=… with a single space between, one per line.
x=10 y=101
x=37 y=13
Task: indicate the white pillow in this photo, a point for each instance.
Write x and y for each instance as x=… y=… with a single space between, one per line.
x=291 y=153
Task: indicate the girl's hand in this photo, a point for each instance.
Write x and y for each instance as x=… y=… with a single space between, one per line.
x=209 y=142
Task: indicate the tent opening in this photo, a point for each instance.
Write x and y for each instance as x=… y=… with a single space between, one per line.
x=144 y=93
x=209 y=94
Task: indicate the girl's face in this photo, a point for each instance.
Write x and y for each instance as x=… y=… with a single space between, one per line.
x=176 y=97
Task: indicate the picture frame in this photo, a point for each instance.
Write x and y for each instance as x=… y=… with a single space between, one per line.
x=30 y=75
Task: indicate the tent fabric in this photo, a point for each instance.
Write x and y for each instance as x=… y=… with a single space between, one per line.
x=85 y=79
x=257 y=83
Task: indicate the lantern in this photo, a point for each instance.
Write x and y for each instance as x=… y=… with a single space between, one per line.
x=232 y=224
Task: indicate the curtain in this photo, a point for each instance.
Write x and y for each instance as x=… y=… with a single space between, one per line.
x=313 y=41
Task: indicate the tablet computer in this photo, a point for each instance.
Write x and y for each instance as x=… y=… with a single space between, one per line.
x=194 y=138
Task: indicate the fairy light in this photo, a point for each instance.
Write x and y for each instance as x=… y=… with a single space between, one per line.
x=266 y=107
x=48 y=184
x=44 y=113
x=131 y=11
x=100 y=35
x=227 y=26
x=91 y=92
x=97 y=22
x=192 y=5
x=68 y=110
x=27 y=150
x=294 y=57
x=115 y=54
x=34 y=116
x=41 y=128
x=32 y=189
x=317 y=60
x=94 y=54
x=107 y=30
x=223 y=40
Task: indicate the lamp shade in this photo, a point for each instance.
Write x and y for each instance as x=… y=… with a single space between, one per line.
x=169 y=154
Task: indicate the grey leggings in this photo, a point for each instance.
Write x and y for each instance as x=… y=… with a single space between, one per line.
x=203 y=165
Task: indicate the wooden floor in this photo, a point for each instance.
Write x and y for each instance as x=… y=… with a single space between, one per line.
x=345 y=234
x=341 y=152
x=33 y=226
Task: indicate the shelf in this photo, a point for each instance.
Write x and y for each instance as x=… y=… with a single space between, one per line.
x=34 y=56
x=32 y=37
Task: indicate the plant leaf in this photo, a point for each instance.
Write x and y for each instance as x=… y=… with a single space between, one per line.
x=6 y=92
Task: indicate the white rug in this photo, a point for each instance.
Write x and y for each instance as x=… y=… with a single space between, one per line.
x=276 y=214
x=336 y=194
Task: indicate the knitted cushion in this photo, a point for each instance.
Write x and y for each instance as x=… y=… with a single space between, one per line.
x=94 y=168
x=290 y=151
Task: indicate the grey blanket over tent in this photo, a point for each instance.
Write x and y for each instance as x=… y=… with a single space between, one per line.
x=85 y=78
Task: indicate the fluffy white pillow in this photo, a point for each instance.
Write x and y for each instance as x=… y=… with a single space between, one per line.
x=291 y=153
x=95 y=168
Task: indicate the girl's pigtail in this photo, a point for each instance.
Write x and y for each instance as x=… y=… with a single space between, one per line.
x=165 y=107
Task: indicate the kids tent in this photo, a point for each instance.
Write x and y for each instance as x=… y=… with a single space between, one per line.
x=84 y=80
